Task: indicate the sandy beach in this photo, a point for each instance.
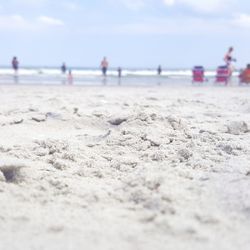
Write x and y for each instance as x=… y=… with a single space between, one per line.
x=128 y=168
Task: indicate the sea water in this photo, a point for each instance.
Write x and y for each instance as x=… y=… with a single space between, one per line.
x=93 y=76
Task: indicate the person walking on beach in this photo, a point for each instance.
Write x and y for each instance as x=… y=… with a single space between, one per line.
x=228 y=59
x=104 y=66
x=15 y=64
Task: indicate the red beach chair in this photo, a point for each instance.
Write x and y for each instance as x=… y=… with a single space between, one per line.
x=222 y=75
x=245 y=75
x=198 y=74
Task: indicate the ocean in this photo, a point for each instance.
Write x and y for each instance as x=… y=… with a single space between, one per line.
x=93 y=76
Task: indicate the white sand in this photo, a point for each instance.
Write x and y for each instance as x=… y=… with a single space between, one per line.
x=175 y=174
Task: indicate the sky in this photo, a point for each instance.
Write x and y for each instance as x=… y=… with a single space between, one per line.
x=130 y=33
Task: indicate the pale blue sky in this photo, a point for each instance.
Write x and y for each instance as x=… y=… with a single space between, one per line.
x=131 y=33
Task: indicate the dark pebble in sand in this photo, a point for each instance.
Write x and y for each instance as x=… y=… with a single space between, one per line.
x=39 y=118
x=117 y=121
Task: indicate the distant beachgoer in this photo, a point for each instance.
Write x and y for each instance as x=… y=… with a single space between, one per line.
x=70 y=77
x=15 y=64
x=63 y=68
x=245 y=75
x=104 y=66
x=228 y=58
x=159 y=70
x=119 y=70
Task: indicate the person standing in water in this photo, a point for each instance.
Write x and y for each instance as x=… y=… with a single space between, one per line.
x=104 y=66
x=15 y=66
x=63 y=76
x=159 y=70
x=70 y=77
x=119 y=70
x=63 y=68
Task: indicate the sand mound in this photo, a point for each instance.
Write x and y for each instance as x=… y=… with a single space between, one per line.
x=237 y=127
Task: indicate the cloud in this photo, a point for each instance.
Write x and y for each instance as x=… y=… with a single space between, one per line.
x=70 y=6
x=172 y=26
x=163 y=26
x=29 y=2
x=132 y=4
x=50 y=21
x=242 y=20
x=206 y=6
x=203 y=6
x=169 y=2
x=20 y=23
x=14 y=22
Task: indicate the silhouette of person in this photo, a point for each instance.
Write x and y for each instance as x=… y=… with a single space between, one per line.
x=104 y=66
x=63 y=68
x=70 y=77
x=119 y=70
x=15 y=64
x=159 y=70
x=228 y=58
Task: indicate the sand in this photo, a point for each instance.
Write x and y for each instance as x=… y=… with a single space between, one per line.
x=128 y=168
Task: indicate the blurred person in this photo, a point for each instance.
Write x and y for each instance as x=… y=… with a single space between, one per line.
x=159 y=70
x=228 y=59
x=63 y=68
x=104 y=66
x=15 y=64
x=70 y=77
x=245 y=75
x=119 y=70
